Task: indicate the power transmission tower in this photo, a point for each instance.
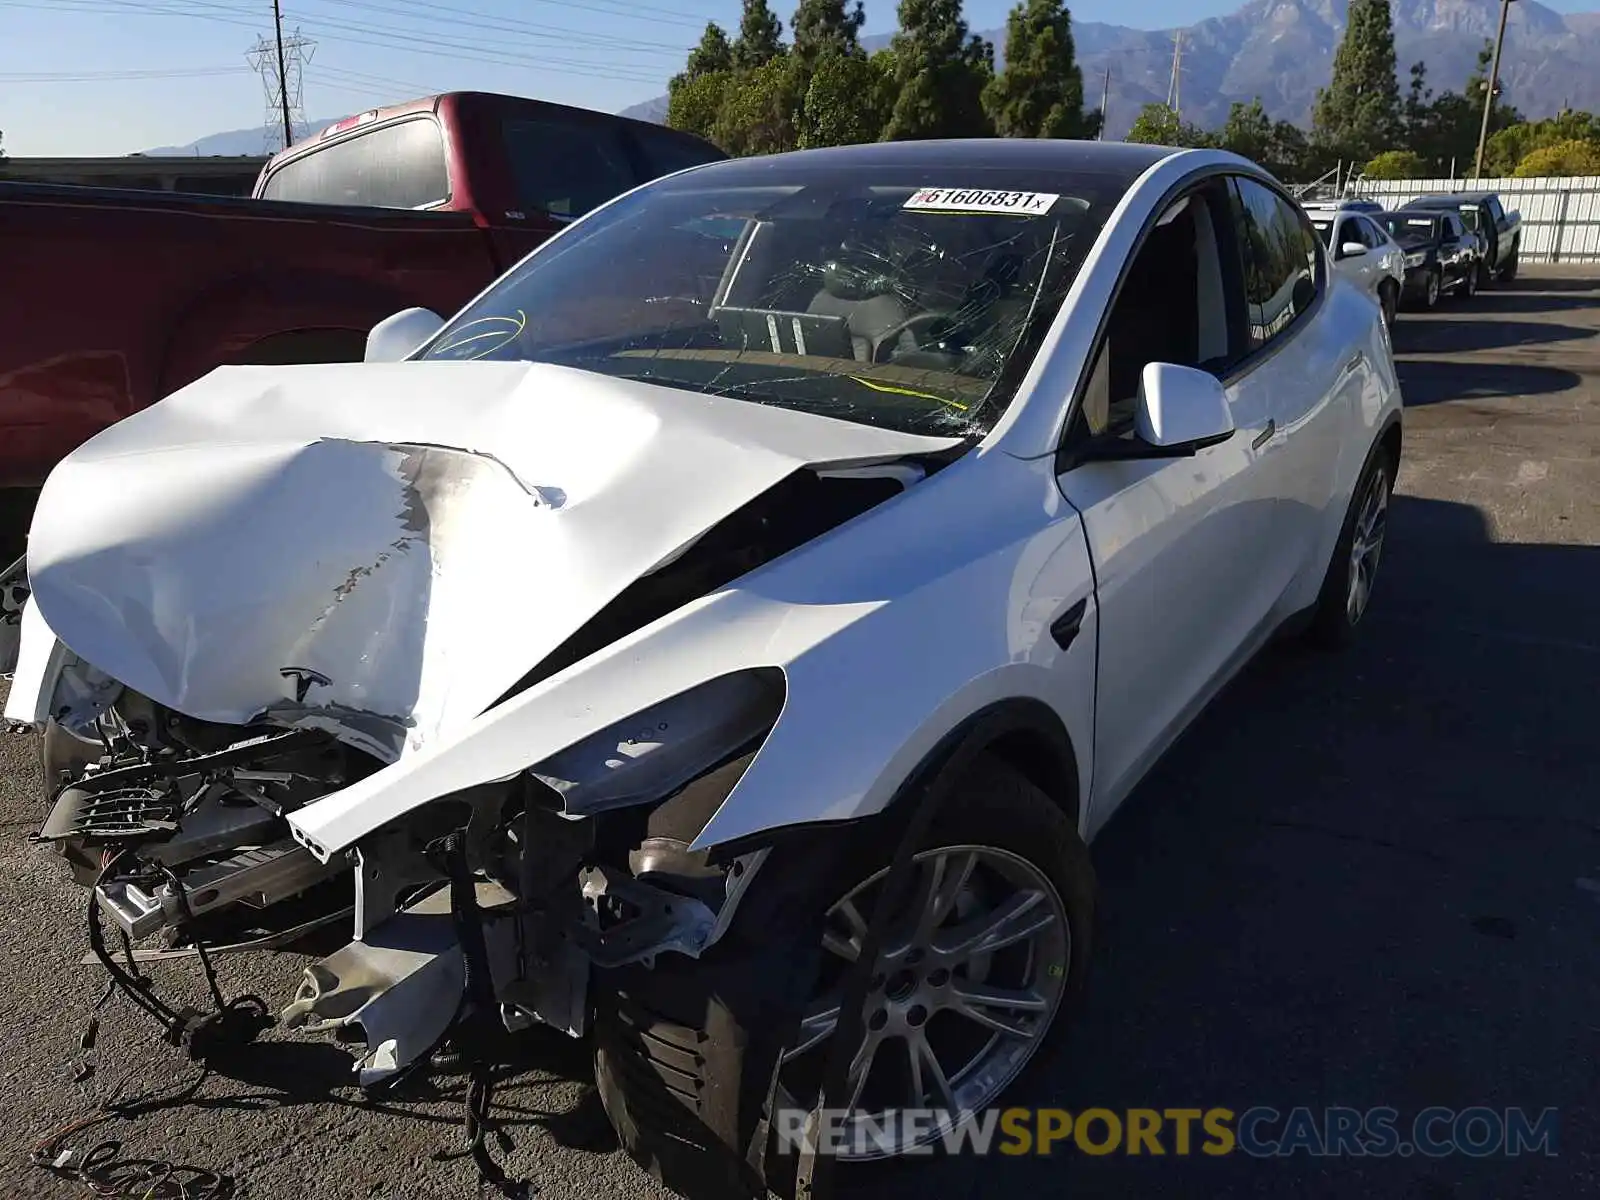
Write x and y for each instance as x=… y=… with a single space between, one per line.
x=281 y=64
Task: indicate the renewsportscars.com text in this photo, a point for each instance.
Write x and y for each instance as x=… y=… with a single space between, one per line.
x=1260 y=1132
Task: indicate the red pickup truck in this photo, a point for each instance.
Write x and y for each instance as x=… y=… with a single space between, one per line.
x=115 y=298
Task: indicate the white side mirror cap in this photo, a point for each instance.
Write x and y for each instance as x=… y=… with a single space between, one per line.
x=395 y=337
x=1352 y=250
x=1180 y=406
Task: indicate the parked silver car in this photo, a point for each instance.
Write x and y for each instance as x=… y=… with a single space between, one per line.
x=1361 y=249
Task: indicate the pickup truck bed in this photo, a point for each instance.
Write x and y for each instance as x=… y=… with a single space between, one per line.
x=130 y=295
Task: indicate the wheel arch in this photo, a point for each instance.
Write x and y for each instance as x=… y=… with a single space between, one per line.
x=1024 y=732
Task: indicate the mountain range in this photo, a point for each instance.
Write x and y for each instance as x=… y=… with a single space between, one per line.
x=1282 y=51
x=1278 y=50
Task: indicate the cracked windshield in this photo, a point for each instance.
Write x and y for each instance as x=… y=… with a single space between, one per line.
x=913 y=307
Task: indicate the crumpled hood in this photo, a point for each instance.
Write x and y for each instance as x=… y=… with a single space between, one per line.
x=385 y=549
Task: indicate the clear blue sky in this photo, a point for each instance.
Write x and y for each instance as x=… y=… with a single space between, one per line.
x=115 y=76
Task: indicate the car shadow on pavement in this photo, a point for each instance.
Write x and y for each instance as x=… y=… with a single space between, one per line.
x=1534 y=302
x=1460 y=337
x=1587 y=281
x=1437 y=381
x=1352 y=883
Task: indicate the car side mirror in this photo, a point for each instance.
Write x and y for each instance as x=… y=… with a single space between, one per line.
x=395 y=337
x=1180 y=410
x=1352 y=250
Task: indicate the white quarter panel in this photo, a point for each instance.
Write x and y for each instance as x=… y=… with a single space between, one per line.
x=890 y=630
x=1315 y=383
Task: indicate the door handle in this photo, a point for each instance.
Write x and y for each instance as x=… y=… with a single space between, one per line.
x=1265 y=435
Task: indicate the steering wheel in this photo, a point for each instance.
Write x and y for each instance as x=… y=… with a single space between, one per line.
x=920 y=321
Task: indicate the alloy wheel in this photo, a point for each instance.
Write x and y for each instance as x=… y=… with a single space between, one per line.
x=1433 y=289
x=965 y=987
x=1366 y=545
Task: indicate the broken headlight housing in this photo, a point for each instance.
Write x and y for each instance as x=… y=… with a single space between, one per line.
x=659 y=749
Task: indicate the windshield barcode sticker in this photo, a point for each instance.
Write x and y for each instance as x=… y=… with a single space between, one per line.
x=968 y=200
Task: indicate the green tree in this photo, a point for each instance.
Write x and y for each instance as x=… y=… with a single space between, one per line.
x=1574 y=156
x=1508 y=148
x=760 y=109
x=1040 y=92
x=1358 y=113
x=823 y=27
x=940 y=73
x=1443 y=129
x=714 y=53
x=1159 y=125
x=1397 y=164
x=848 y=100
x=1248 y=131
x=693 y=104
x=760 y=37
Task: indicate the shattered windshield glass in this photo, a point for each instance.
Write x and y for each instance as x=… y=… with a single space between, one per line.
x=877 y=300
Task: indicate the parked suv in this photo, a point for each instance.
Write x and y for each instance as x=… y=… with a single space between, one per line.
x=1442 y=254
x=1362 y=251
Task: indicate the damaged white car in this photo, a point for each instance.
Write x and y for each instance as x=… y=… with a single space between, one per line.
x=601 y=646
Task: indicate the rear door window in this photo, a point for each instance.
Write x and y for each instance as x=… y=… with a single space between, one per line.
x=663 y=152
x=392 y=166
x=1282 y=269
x=565 y=168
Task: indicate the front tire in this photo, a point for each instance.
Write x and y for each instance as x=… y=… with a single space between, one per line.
x=1347 y=587
x=995 y=946
x=1431 y=288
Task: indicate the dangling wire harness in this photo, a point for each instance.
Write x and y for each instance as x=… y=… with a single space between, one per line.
x=479 y=1032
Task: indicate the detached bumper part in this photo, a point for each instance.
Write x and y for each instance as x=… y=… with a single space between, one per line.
x=400 y=989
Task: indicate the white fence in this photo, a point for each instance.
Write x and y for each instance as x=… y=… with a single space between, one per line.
x=1560 y=217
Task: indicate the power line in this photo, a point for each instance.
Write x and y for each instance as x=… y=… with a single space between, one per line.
x=528 y=29
x=637 y=12
x=407 y=41
x=115 y=76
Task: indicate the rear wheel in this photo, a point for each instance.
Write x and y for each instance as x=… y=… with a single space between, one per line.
x=1508 y=269
x=1347 y=587
x=966 y=991
x=1389 y=302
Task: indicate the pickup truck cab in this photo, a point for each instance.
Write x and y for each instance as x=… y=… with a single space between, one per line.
x=115 y=298
x=1499 y=231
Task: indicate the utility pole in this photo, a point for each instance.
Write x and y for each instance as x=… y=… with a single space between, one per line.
x=1494 y=86
x=1105 y=99
x=283 y=75
x=1175 y=88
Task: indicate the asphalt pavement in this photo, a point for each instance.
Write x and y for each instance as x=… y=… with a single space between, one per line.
x=1367 y=880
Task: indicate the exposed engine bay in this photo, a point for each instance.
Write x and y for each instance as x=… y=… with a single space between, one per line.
x=179 y=824
x=373 y=665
